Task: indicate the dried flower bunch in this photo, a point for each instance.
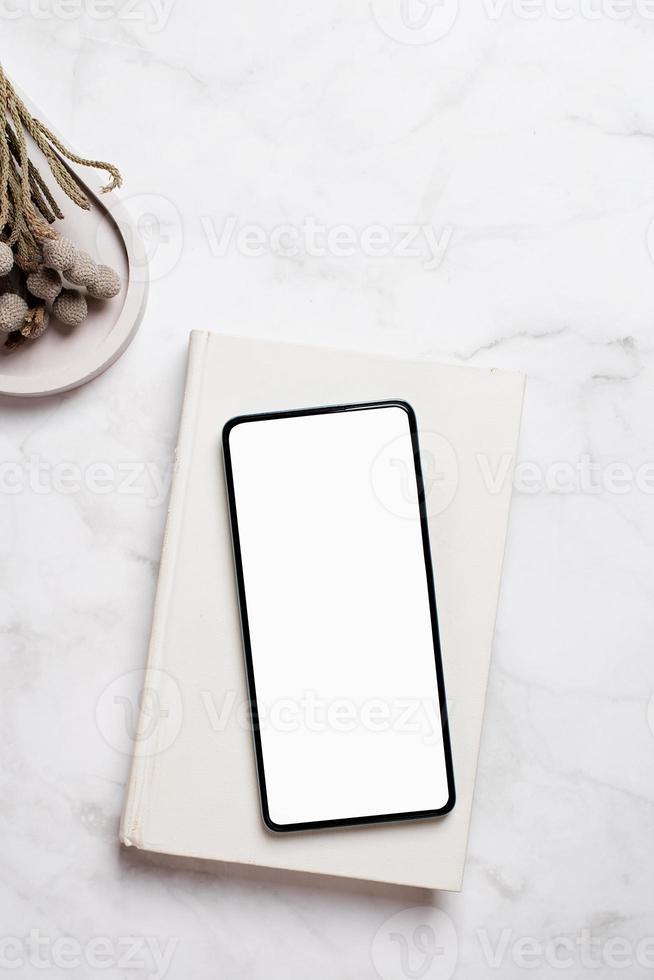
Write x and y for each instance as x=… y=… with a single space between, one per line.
x=42 y=274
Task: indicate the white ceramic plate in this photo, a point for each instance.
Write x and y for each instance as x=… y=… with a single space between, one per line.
x=65 y=357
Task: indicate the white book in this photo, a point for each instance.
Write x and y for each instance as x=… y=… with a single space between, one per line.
x=193 y=786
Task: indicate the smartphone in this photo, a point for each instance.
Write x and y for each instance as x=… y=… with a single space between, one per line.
x=338 y=612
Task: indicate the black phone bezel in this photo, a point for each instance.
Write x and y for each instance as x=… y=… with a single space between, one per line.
x=242 y=600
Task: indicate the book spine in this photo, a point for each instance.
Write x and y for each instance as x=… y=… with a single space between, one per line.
x=133 y=826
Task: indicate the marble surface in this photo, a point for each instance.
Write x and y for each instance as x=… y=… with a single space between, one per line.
x=508 y=147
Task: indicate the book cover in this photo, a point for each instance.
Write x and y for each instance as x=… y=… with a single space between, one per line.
x=192 y=790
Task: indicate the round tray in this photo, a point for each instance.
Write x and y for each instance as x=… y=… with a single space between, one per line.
x=65 y=357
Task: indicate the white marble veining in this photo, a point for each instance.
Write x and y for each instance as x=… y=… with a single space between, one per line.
x=519 y=146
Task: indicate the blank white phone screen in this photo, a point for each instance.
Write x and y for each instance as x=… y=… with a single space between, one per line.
x=335 y=601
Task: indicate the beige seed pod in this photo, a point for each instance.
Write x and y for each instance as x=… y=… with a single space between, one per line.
x=6 y=259
x=105 y=283
x=12 y=312
x=45 y=284
x=58 y=253
x=82 y=270
x=36 y=322
x=70 y=307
